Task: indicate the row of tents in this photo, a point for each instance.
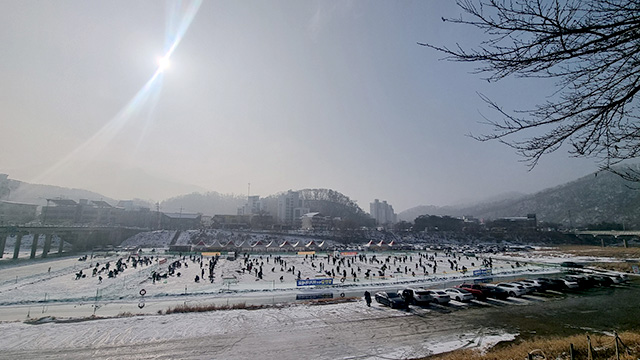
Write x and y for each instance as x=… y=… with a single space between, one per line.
x=275 y=246
x=260 y=245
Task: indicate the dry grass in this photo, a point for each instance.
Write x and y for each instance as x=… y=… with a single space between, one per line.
x=212 y=307
x=615 y=266
x=597 y=251
x=553 y=348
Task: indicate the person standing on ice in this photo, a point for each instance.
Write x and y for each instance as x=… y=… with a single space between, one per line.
x=367 y=298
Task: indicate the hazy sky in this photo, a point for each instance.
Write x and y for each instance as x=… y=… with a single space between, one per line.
x=279 y=94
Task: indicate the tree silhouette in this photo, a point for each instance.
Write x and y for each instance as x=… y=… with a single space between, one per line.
x=590 y=48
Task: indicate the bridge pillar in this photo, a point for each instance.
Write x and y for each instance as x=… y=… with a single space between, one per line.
x=3 y=242
x=47 y=245
x=602 y=240
x=60 y=245
x=624 y=242
x=16 y=248
x=34 y=245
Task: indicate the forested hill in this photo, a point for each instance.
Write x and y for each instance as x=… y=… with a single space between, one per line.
x=595 y=198
x=327 y=202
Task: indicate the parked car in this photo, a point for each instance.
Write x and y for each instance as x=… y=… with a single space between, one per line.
x=495 y=292
x=439 y=296
x=391 y=299
x=528 y=288
x=617 y=278
x=538 y=284
x=584 y=281
x=553 y=284
x=459 y=294
x=603 y=280
x=570 y=283
x=416 y=296
x=513 y=289
x=474 y=289
x=571 y=264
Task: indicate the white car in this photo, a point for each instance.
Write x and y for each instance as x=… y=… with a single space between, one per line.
x=459 y=294
x=528 y=288
x=439 y=296
x=513 y=289
x=537 y=284
x=570 y=283
x=616 y=278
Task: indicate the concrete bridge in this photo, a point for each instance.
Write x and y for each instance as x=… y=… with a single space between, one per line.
x=81 y=238
x=615 y=234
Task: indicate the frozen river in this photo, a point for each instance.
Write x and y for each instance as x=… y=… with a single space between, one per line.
x=293 y=330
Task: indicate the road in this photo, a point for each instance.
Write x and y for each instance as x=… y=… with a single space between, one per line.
x=348 y=330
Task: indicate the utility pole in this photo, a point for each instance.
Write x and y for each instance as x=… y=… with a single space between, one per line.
x=158 y=214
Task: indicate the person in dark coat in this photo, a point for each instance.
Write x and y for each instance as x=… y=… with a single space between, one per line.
x=367 y=298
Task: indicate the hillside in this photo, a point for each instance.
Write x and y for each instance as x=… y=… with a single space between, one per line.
x=326 y=201
x=209 y=203
x=37 y=194
x=589 y=200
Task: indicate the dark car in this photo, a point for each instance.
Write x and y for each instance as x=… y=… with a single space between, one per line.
x=391 y=299
x=552 y=284
x=416 y=296
x=495 y=292
x=571 y=264
x=603 y=280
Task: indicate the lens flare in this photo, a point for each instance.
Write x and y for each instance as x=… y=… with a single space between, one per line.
x=163 y=63
x=179 y=17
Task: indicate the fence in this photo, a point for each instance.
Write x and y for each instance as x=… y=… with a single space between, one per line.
x=619 y=347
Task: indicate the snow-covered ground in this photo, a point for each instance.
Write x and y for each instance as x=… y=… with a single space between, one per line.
x=338 y=331
x=66 y=288
x=59 y=279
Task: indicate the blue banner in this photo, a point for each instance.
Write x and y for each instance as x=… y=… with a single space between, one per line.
x=481 y=272
x=310 y=282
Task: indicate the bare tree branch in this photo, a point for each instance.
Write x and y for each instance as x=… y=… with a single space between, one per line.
x=590 y=48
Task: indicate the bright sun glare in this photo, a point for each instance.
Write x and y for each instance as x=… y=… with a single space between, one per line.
x=163 y=63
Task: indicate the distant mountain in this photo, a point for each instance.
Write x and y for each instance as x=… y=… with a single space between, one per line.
x=209 y=203
x=326 y=201
x=595 y=198
x=37 y=194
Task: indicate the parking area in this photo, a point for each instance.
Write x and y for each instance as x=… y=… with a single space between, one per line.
x=524 y=291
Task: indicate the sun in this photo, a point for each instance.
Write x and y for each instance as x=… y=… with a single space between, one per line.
x=163 y=63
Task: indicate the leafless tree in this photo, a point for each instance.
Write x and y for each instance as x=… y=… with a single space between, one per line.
x=591 y=48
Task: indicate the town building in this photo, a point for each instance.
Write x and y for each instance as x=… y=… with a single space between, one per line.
x=382 y=212
x=252 y=207
x=315 y=221
x=290 y=209
x=13 y=213
x=90 y=212
x=180 y=221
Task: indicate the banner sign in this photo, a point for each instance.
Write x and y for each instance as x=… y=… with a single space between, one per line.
x=314 y=296
x=349 y=253
x=481 y=272
x=483 y=281
x=310 y=282
x=306 y=252
x=211 y=253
